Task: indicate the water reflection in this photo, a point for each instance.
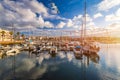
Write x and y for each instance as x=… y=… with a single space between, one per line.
x=93 y=57
x=45 y=66
x=33 y=64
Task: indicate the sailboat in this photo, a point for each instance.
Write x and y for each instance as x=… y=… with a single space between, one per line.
x=87 y=47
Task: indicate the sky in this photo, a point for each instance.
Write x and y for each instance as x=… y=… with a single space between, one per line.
x=36 y=15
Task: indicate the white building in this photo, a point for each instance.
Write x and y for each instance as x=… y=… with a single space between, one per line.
x=6 y=37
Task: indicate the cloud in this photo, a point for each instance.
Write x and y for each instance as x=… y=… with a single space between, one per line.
x=54 y=8
x=38 y=7
x=76 y=22
x=114 y=26
x=33 y=5
x=97 y=15
x=114 y=29
x=113 y=17
x=61 y=25
x=22 y=14
x=48 y=24
x=108 y=4
x=79 y=17
x=79 y=20
x=88 y=18
x=1 y=7
x=90 y=25
x=117 y=12
x=70 y=23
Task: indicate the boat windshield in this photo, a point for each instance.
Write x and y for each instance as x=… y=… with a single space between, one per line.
x=70 y=44
x=77 y=49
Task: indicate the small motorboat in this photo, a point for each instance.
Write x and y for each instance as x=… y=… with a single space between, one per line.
x=12 y=52
x=53 y=50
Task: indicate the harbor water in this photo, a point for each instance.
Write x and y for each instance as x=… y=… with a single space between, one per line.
x=104 y=65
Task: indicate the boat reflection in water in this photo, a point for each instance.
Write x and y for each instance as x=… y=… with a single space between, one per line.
x=94 y=57
x=40 y=57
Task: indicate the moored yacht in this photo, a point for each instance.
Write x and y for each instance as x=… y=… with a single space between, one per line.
x=70 y=46
x=78 y=49
x=78 y=52
x=90 y=48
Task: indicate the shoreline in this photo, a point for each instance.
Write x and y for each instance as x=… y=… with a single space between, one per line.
x=11 y=42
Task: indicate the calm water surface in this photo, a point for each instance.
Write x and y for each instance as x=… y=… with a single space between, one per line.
x=64 y=66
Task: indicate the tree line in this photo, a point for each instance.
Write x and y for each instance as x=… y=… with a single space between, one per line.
x=15 y=36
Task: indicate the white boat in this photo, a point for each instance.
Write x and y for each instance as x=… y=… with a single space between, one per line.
x=18 y=47
x=70 y=46
x=86 y=49
x=48 y=47
x=63 y=47
x=7 y=47
x=53 y=49
x=43 y=48
x=36 y=50
x=91 y=48
x=12 y=52
x=78 y=50
x=94 y=49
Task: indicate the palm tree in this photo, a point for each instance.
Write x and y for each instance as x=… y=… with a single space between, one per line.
x=11 y=34
x=23 y=36
x=18 y=35
x=3 y=34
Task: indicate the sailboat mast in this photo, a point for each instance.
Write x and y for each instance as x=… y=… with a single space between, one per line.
x=82 y=31
x=83 y=28
x=85 y=19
